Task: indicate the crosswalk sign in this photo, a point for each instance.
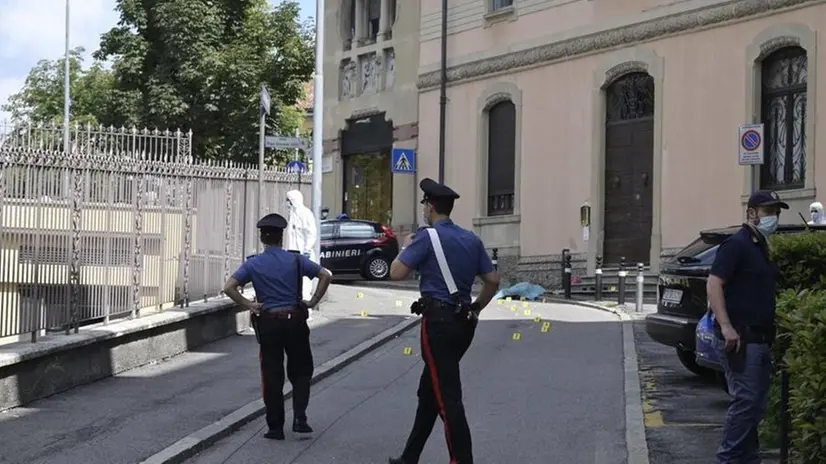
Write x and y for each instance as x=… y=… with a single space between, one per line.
x=403 y=160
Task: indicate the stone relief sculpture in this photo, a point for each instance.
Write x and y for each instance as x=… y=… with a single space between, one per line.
x=390 y=68
x=348 y=80
x=368 y=74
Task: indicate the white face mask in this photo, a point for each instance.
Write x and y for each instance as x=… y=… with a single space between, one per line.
x=816 y=215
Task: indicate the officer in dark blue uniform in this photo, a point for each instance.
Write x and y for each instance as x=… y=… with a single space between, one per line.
x=448 y=258
x=280 y=321
x=741 y=292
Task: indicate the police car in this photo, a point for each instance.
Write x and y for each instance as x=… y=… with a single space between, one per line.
x=357 y=247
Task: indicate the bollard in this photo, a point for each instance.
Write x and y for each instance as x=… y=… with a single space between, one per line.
x=495 y=259
x=565 y=252
x=640 y=282
x=784 y=416
x=621 y=282
x=567 y=270
x=598 y=280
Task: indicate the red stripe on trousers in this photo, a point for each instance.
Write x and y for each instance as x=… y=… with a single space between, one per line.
x=437 y=390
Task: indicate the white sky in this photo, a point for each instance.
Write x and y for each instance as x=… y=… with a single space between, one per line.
x=31 y=30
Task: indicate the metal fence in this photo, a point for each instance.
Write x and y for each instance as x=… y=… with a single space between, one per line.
x=125 y=225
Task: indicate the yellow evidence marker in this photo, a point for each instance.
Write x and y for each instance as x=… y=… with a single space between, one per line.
x=508 y=299
x=398 y=303
x=546 y=326
x=525 y=304
x=527 y=312
x=537 y=319
x=364 y=314
x=359 y=296
x=500 y=301
x=514 y=308
x=408 y=351
x=517 y=336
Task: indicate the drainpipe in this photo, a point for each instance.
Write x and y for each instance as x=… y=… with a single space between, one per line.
x=443 y=95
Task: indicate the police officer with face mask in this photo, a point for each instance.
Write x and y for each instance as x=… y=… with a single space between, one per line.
x=280 y=321
x=448 y=259
x=741 y=292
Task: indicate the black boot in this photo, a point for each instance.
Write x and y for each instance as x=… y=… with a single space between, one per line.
x=301 y=426
x=274 y=434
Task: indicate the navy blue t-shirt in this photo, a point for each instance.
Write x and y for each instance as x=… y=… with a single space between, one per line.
x=273 y=276
x=465 y=254
x=750 y=280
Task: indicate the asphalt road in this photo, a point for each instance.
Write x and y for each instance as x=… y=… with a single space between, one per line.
x=128 y=417
x=554 y=396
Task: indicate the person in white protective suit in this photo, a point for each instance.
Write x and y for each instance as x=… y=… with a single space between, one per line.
x=301 y=234
x=816 y=210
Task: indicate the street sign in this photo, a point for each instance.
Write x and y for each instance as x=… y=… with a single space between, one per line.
x=265 y=100
x=296 y=166
x=750 y=145
x=285 y=143
x=403 y=160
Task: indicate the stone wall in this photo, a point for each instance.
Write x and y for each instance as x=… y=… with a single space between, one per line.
x=546 y=270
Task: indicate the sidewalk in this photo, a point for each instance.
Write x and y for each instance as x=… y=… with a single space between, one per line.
x=128 y=417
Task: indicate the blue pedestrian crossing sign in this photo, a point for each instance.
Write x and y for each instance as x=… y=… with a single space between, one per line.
x=403 y=160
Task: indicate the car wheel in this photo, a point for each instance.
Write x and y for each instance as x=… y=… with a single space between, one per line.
x=689 y=361
x=378 y=268
x=721 y=380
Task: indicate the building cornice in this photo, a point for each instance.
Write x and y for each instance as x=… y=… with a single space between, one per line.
x=611 y=38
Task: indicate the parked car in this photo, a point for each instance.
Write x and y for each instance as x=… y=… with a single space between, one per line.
x=681 y=301
x=357 y=247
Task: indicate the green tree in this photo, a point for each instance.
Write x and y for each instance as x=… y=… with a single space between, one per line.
x=199 y=65
x=40 y=101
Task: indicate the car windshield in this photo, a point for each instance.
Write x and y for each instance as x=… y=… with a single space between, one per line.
x=701 y=250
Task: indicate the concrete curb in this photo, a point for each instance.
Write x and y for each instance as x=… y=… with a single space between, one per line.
x=635 y=441
x=196 y=442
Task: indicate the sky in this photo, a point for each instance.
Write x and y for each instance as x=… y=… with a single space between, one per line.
x=31 y=30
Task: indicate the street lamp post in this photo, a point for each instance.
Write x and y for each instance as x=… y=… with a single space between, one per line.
x=66 y=91
x=318 y=118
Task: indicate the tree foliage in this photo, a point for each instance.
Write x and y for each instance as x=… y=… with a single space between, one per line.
x=41 y=99
x=186 y=64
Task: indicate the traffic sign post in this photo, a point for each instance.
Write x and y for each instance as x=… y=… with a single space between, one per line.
x=750 y=145
x=285 y=143
x=403 y=161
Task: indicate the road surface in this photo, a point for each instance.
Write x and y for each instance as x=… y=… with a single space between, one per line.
x=536 y=397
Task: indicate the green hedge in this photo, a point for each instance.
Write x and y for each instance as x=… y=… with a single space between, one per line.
x=801 y=344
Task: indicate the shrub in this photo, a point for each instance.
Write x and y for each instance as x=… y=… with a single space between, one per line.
x=801 y=343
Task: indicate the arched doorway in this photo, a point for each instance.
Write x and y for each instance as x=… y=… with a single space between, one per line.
x=629 y=166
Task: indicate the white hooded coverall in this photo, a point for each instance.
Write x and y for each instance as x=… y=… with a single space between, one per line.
x=816 y=210
x=301 y=234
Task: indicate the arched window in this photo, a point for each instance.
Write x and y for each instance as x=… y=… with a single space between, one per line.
x=783 y=98
x=501 y=157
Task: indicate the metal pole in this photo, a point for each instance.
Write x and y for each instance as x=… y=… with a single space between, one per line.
x=495 y=259
x=567 y=271
x=621 y=282
x=261 y=138
x=318 y=119
x=443 y=95
x=784 y=415
x=66 y=91
x=640 y=285
x=598 y=280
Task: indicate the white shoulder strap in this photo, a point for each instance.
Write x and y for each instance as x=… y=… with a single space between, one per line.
x=442 y=260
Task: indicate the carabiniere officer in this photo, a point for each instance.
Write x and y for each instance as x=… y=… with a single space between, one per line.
x=449 y=318
x=280 y=321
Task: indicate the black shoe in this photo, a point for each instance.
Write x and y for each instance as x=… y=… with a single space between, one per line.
x=274 y=434
x=300 y=426
x=395 y=461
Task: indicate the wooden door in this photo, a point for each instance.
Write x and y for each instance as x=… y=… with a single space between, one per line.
x=629 y=159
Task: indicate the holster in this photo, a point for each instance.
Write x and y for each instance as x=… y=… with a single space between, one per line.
x=439 y=310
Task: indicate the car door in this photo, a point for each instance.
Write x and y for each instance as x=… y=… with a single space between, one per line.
x=353 y=241
x=327 y=237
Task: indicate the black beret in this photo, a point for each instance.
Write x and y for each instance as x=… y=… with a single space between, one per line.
x=272 y=221
x=433 y=189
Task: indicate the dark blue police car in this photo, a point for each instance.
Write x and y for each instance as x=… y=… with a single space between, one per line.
x=357 y=247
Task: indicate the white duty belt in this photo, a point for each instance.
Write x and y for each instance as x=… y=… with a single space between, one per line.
x=442 y=260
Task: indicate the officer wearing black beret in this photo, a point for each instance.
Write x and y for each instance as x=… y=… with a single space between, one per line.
x=280 y=321
x=448 y=258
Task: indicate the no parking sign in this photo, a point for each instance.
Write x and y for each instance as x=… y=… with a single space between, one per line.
x=751 y=144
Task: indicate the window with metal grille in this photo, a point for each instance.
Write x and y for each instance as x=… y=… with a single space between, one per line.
x=783 y=98
x=497 y=5
x=501 y=157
